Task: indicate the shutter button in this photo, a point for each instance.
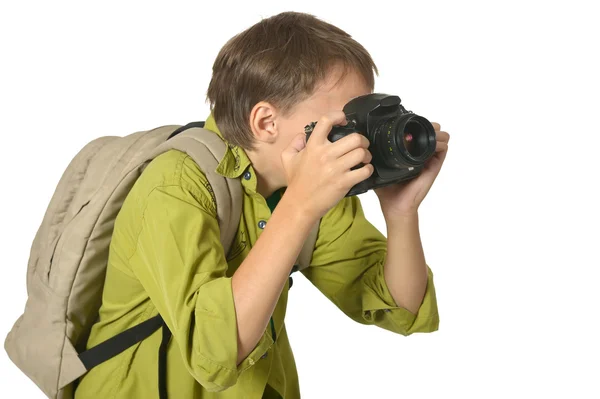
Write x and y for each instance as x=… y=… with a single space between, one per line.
x=262 y=224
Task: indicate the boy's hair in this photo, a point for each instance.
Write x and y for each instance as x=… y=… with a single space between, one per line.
x=280 y=60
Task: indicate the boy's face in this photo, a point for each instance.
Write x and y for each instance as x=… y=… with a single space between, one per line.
x=332 y=95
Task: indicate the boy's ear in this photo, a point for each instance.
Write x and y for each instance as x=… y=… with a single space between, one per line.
x=263 y=122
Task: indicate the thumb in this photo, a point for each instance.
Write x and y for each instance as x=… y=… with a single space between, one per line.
x=296 y=145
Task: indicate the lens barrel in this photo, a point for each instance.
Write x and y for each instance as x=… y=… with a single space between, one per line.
x=403 y=140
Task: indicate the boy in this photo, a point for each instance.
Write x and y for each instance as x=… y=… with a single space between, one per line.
x=226 y=311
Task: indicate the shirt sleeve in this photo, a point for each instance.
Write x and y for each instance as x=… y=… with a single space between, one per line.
x=347 y=267
x=181 y=264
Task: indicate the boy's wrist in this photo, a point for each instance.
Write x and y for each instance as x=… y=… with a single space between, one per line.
x=295 y=212
x=400 y=221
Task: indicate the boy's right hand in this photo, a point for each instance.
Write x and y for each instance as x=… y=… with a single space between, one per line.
x=318 y=172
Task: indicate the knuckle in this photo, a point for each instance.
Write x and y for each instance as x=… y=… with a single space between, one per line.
x=336 y=115
x=325 y=120
x=364 y=154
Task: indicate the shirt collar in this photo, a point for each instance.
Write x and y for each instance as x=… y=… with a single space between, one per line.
x=235 y=160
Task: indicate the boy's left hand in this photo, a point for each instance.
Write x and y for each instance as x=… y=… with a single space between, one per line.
x=403 y=199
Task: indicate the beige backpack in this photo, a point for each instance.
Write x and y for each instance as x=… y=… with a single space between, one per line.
x=67 y=263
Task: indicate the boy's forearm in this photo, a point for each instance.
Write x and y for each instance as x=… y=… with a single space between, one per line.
x=405 y=269
x=258 y=282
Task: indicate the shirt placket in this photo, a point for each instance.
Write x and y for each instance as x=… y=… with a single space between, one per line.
x=263 y=213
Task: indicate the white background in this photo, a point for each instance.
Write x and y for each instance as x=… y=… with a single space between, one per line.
x=510 y=228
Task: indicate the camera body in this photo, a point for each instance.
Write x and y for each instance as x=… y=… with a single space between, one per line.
x=400 y=141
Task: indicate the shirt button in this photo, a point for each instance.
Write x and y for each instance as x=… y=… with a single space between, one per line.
x=262 y=224
x=388 y=310
x=265 y=355
x=247 y=175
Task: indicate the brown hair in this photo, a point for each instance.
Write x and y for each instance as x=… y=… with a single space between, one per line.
x=280 y=60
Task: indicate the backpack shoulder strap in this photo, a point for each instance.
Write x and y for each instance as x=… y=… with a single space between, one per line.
x=207 y=149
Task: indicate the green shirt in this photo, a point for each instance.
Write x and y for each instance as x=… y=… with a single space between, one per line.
x=165 y=257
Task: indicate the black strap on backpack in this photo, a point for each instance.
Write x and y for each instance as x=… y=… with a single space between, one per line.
x=120 y=342
x=162 y=362
x=125 y=340
x=185 y=127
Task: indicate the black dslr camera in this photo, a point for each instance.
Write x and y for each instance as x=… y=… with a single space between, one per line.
x=401 y=141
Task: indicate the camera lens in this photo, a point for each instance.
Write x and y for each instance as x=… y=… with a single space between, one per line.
x=415 y=138
x=404 y=140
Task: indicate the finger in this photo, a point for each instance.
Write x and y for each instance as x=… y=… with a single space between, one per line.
x=353 y=158
x=356 y=176
x=296 y=145
x=324 y=125
x=433 y=165
x=436 y=126
x=347 y=144
x=442 y=136
x=441 y=146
